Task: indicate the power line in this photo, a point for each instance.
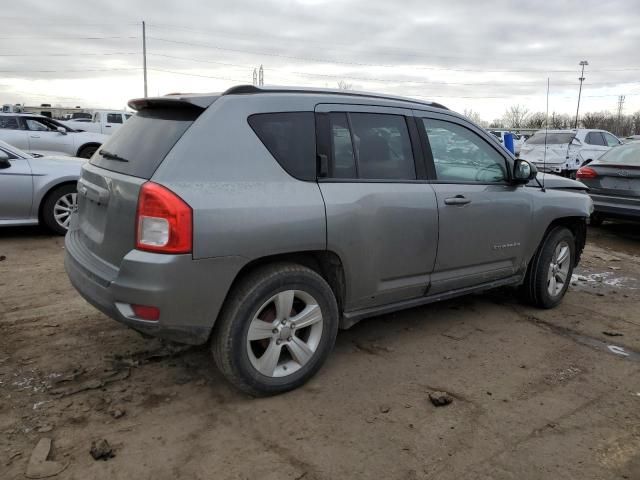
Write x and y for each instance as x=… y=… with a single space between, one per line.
x=241 y=80
x=403 y=51
x=227 y=64
x=56 y=21
x=67 y=54
x=68 y=37
x=363 y=64
x=70 y=71
x=377 y=79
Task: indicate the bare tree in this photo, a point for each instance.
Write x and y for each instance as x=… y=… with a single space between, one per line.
x=342 y=85
x=559 y=121
x=592 y=119
x=636 y=123
x=496 y=123
x=535 y=120
x=474 y=117
x=515 y=116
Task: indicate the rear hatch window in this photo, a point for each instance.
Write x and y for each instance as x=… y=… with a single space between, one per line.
x=139 y=147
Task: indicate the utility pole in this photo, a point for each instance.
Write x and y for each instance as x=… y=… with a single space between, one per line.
x=144 y=56
x=583 y=63
x=620 y=107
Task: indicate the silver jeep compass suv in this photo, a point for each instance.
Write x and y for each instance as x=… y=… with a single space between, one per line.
x=262 y=220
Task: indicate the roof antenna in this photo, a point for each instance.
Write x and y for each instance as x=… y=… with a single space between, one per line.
x=546 y=129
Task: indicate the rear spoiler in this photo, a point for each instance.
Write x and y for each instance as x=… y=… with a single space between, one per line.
x=173 y=101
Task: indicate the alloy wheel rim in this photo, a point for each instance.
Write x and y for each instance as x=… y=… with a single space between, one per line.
x=285 y=333
x=559 y=269
x=63 y=208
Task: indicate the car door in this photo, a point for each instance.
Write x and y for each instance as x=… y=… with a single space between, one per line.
x=16 y=189
x=44 y=138
x=594 y=146
x=12 y=132
x=484 y=220
x=381 y=213
x=610 y=140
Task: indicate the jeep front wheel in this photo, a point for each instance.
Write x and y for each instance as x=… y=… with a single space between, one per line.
x=550 y=270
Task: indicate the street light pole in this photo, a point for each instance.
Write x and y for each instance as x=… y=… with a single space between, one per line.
x=583 y=63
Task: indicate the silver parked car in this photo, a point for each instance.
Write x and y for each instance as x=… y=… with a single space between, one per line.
x=35 y=189
x=45 y=136
x=614 y=183
x=262 y=220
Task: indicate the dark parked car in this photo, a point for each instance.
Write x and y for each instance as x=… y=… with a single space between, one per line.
x=614 y=183
x=262 y=220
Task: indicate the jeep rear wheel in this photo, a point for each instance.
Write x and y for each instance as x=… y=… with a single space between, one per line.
x=276 y=329
x=550 y=270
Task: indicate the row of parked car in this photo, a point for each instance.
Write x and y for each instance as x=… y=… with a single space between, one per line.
x=561 y=152
x=261 y=220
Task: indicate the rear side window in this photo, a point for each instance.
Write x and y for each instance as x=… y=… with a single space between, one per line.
x=382 y=146
x=291 y=138
x=595 y=138
x=371 y=146
x=144 y=141
x=540 y=138
x=9 y=123
x=344 y=162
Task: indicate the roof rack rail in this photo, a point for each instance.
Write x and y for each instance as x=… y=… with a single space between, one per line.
x=251 y=89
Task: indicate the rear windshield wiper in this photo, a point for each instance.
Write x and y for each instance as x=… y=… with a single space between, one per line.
x=112 y=156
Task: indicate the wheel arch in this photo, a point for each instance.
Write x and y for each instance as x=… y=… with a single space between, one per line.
x=85 y=145
x=325 y=263
x=577 y=226
x=50 y=189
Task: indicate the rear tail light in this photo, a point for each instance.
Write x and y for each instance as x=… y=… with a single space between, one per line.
x=586 y=172
x=163 y=221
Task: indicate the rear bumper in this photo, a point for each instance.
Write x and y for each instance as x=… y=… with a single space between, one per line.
x=616 y=206
x=188 y=292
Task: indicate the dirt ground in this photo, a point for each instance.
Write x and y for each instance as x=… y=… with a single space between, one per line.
x=536 y=394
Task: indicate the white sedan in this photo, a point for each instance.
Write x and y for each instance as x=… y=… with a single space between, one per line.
x=44 y=136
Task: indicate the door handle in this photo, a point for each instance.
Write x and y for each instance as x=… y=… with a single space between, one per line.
x=34 y=136
x=457 y=200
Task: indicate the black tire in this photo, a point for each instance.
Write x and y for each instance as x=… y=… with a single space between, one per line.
x=229 y=339
x=535 y=289
x=596 y=220
x=88 y=151
x=47 y=213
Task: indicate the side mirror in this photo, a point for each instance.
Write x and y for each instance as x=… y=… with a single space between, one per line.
x=575 y=141
x=61 y=130
x=523 y=171
x=4 y=160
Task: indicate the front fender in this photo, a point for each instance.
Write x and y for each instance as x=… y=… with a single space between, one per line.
x=557 y=206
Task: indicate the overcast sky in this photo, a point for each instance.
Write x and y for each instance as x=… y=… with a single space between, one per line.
x=466 y=54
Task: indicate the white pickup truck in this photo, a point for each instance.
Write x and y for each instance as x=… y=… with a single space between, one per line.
x=102 y=121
